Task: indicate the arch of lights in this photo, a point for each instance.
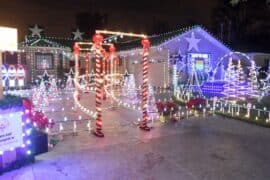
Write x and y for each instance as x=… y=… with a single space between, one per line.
x=228 y=55
x=105 y=82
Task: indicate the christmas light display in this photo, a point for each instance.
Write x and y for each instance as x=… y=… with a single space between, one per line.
x=4 y=75
x=53 y=92
x=87 y=67
x=21 y=75
x=40 y=97
x=97 y=39
x=146 y=46
x=231 y=79
x=241 y=82
x=69 y=84
x=151 y=107
x=129 y=91
x=252 y=80
x=12 y=75
x=16 y=129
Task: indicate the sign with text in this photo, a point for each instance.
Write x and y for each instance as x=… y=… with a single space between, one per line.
x=10 y=131
x=8 y=39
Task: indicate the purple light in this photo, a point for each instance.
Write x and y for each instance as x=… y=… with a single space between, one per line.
x=12 y=138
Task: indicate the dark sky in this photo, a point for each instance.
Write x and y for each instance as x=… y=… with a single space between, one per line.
x=58 y=17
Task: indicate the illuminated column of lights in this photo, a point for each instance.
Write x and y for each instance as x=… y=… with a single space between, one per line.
x=87 y=59
x=76 y=52
x=174 y=79
x=111 y=58
x=97 y=39
x=146 y=45
x=103 y=73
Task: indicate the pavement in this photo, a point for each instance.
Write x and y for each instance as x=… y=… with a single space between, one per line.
x=211 y=148
x=192 y=149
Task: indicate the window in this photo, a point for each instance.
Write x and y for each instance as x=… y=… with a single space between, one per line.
x=44 y=61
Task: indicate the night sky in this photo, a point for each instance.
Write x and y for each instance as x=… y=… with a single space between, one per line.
x=59 y=18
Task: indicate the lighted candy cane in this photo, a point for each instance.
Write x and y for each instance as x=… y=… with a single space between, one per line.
x=146 y=45
x=97 y=39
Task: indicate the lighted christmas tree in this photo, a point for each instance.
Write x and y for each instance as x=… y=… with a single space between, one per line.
x=240 y=80
x=40 y=97
x=125 y=86
x=231 y=79
x=69 y=84
x=129 y=90
x=53 y=90
x=252 y=80
x=151 y=107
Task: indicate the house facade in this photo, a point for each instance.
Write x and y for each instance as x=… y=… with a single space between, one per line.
x=178 y=54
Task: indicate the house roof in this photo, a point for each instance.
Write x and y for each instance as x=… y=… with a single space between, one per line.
x=157 y=40
x=54 y=42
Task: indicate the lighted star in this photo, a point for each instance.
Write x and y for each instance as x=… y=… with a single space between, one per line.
x=36 y=31
x=70 y=73
x=45 y=76
x=77 y=35
x=193 y=42
x=126 y=75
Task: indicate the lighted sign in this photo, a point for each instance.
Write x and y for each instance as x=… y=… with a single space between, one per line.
x=200 y=61
x=8 y=39
x=213 y=87
x=11 y=131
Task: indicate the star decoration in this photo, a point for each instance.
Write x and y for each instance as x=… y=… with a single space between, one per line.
x=70 y=73
x=193 y=42
x=36 y=31
x=126 y=75
x=45 y=76
x=77 y=35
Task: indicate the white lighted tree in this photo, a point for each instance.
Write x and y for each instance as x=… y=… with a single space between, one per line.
x=40 y=97
x=252 y=80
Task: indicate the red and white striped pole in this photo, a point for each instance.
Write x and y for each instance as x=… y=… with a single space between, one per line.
x=97 y=39
x=146 y=45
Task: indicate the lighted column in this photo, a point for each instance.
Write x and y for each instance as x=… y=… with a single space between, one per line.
x=97 y=39
x=146 y=45
x=76 y=52
x=111 y=57
x=104 y=71
x=87 y=60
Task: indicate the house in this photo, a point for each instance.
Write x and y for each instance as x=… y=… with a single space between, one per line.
x=45 y=54
x=178 y=53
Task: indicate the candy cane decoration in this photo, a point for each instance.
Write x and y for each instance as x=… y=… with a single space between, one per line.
x=97 y=38
x=146 y=45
